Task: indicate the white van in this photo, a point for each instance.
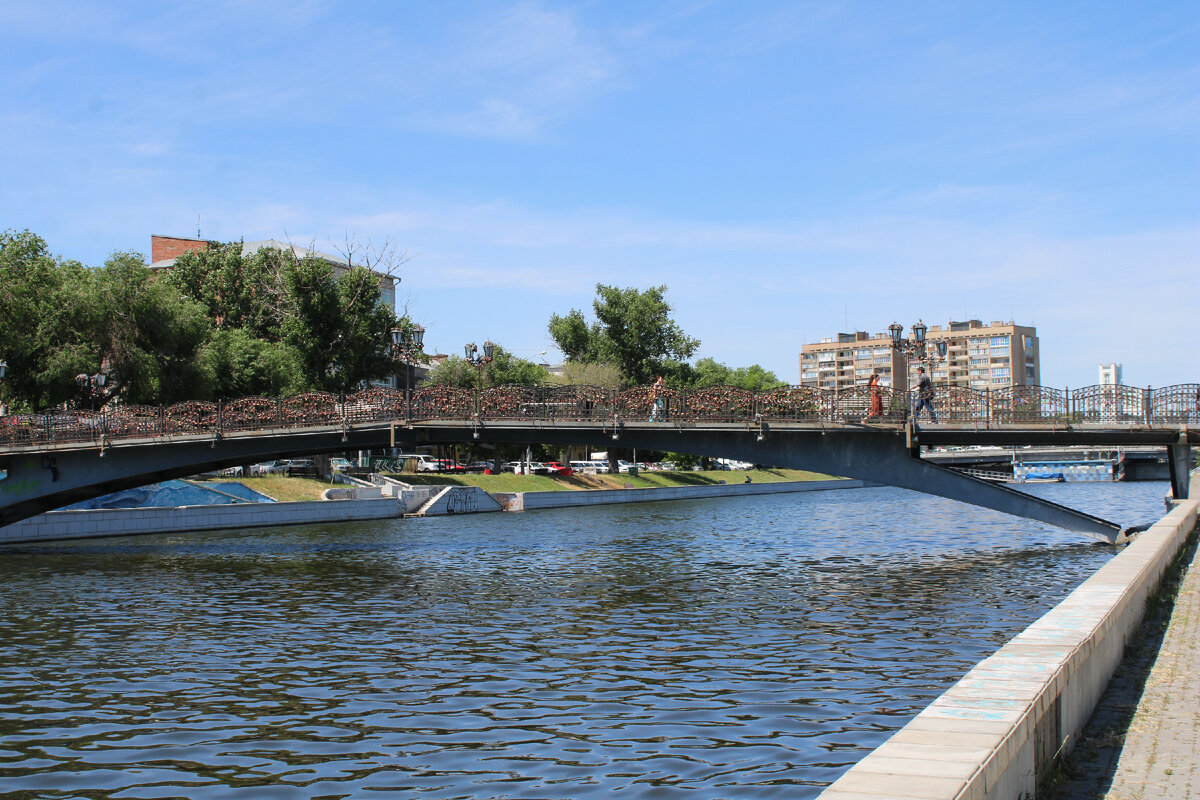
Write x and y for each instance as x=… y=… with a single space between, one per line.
x=424 y=463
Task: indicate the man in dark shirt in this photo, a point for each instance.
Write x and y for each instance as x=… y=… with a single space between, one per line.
x=924 y=389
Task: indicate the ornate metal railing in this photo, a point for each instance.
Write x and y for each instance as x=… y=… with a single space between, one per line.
x=1018 y=405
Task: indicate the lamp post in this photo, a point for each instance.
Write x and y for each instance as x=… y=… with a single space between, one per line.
x=405 y=344
x=91 y=385
x=471 y=354
x=914 y=349
x=3 y=372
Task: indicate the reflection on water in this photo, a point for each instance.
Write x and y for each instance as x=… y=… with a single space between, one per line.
x=748 y=647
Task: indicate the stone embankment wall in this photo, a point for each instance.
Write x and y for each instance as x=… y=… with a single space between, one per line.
x=531 y=501
x=347 y=503
x=54 y=525
x=995 y=732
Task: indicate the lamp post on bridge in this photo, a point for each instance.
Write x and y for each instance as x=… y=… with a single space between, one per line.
x=471 y=354
x=406 y=343
x=92 y=385
x=914 y=349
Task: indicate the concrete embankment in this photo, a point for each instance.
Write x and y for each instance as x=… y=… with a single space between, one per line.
x=94 y=523
x=344 y=504
x=530 y=501
x=997 y=731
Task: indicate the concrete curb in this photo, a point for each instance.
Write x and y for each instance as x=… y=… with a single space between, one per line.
x=995 y=732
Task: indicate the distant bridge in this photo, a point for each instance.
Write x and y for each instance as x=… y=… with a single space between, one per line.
x=55 y=458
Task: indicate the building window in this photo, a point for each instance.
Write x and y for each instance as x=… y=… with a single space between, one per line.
x=1001 y=372
x=998 y=341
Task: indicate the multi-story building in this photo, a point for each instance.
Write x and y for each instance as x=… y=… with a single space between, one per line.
x=978 y=356
x=1110 y=374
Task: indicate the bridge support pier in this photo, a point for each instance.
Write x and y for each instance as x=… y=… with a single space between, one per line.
x=1179 y=464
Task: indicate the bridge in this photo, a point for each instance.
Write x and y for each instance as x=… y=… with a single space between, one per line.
x=55 y=458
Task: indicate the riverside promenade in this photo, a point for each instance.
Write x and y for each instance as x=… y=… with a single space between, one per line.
x=1159 y=755
x=999 y=733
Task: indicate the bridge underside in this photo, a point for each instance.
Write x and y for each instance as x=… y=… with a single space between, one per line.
x=52 y=478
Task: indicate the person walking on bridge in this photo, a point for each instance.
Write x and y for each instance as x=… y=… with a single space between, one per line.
x=659 y=406
x=924 y=389
x=876 y=397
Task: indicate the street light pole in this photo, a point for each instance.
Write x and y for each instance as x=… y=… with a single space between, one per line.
x=92 y=384
x=471 y=354
x=914 y=349
x=406 y=343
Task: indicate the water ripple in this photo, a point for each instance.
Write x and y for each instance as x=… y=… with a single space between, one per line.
x=748 y=648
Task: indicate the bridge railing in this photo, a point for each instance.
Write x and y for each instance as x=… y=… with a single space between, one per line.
x=1017 y=405
x=1109 y=404
x=1175 y=405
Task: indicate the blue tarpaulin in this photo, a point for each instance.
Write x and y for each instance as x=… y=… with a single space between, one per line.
x=175 y=493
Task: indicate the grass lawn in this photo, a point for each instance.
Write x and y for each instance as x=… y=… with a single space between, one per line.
x=285 y=489
x=644 y=480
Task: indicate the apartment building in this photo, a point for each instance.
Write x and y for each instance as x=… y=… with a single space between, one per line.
x=978 y=356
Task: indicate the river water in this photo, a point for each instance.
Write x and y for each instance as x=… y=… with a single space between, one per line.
x=736 y=648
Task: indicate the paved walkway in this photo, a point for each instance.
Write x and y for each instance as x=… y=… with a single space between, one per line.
x=1159 y=756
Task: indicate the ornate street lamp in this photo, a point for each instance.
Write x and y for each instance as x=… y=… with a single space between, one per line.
x=914 y=349
x=3 y=368
x=406 y=343
x=471 y=354
x=91 y=385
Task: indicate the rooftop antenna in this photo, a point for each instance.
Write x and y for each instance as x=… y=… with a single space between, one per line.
x=197 y=226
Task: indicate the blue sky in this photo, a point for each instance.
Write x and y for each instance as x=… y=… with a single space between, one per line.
x=787 y=169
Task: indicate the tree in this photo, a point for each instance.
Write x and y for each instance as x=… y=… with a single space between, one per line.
x=581 y=373
x=30 y=285
x=504 y=368
x=330 y=320
x=145 y=333
x=633 y=330
x=709 y=372
x=236 y=290
x=239 y=365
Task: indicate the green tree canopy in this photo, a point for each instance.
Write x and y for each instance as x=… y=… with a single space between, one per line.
x=581 y=373
x=218 y=325
x=633 y=330
x=709 y=372
x=504 y=368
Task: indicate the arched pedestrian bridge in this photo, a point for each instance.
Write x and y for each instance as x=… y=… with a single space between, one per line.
x=55 y=458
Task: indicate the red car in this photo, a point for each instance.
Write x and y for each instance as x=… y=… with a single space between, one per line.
x=555 y=468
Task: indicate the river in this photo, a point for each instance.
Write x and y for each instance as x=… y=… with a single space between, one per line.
x=733 y=648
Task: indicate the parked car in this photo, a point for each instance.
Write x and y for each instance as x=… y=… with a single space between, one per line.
x=532 y=468
x=424 y=463
x=555 y=468
x=302 y=467
x=268 y=467
x=340 y=464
